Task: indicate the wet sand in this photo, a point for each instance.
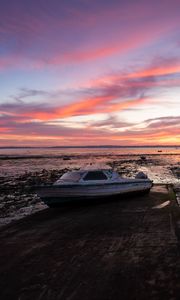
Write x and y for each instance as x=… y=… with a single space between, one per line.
x=127 y=249
x=19 y=176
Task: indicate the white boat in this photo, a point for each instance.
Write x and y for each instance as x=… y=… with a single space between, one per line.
x=88 y=184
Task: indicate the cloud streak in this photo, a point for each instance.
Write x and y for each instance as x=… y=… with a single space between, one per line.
x=108 y=94
x=138 y=134
x=53 y=33
x=112 y=64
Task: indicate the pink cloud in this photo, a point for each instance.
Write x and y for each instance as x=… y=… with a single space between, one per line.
x=38 y=38
x=167 y=132
x=112 y=93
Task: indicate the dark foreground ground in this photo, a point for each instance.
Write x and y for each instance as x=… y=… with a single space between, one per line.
x=124 y=249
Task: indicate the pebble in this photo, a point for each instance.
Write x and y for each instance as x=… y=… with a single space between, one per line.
x=17 y=196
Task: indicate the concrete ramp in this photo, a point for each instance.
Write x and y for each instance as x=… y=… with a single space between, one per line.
x=123 y=249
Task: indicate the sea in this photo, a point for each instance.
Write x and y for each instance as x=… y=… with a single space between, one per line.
x=15 y=161
x=101 y=150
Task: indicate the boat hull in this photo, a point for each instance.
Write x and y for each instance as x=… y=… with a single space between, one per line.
x=56 y=195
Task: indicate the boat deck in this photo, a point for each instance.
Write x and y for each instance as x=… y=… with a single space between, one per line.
x=126 y=249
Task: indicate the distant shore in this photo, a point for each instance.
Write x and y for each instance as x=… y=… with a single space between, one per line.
x=90 y=146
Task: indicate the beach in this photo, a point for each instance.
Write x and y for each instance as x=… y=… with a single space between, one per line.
x=125 y=248
x=22 y=169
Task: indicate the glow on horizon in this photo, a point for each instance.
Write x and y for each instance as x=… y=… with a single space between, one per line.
x=90 y=73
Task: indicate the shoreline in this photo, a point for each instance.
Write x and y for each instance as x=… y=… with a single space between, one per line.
x=71 y=156
x=18 y=199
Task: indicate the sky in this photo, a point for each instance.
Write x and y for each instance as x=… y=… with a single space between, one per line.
x=89 y=72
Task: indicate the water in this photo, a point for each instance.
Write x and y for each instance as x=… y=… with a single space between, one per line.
x=160 y=160
x=93 y=151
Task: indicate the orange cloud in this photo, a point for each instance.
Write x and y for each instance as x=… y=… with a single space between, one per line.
x=81 y=107
x=156 y=71
x=88 y=106
x=159 y=138
x=125 y=105
x=91 y=138
x=163 y=130
x=4 y=129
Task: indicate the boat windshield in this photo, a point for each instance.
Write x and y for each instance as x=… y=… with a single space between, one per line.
x=71 y=176
x=95 y=175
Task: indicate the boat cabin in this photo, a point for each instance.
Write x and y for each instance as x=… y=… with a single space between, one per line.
x=87 y=176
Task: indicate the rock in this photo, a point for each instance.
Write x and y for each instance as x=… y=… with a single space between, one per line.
x=66 y=158
x=33 y=201
x=12 y=209
x=2 y=198
x=2 y=205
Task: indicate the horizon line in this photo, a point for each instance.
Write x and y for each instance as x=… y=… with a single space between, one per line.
x=91 y=146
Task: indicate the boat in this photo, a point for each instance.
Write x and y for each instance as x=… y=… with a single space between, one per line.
x=88 y=184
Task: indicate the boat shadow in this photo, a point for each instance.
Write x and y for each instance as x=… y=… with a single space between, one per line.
x=98 y=201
